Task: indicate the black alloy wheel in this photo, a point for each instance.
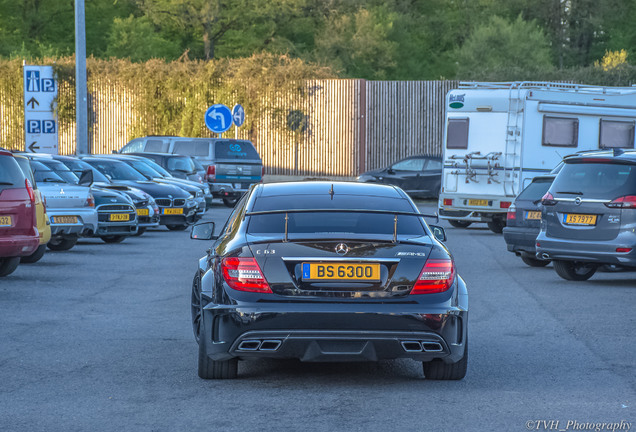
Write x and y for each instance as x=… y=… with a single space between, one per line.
x=113 y=238
x=438 y=370
x=533 y=262
x=496 y=225
x=195 y=306
x=8 y=265
x=35 y=256
x=140 y=231
x=459 y=223
x=62 y=243
x=230 y=202
x=176 y=227
x=574 y=270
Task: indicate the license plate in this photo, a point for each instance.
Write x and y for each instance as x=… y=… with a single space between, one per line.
x=143 y=212
x=579 y=219
x=172 y=211
x=535 y=215
x=5 y=221
x=341 y=271
x=477 y=202
x=119 y=217
x=64 y=219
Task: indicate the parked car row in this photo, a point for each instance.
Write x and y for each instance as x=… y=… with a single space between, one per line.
x=581 y=218
x=50 y=201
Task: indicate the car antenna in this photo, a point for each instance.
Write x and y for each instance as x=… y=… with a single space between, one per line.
x=331 y=191
x=286 y=220
x=395 y=229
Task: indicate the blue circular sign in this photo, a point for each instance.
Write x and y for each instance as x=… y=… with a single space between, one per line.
x=218 y=118
x=238 y=115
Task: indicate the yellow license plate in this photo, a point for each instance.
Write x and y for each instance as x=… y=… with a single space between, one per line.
x=476 y=202
x=579 y=219
x=142 y=212
x=172 y=211
x=6 y=221
x=116 y=217
x=341 y=271
x=535 y=215
x=64 y=219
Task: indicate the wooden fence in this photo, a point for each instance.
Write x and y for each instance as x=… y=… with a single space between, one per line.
x=332 y=128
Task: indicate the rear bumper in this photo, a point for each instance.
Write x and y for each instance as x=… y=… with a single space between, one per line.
x=223 y=190
x=520 y=239
x=470 y=216
x=189 y=216
x=86 y=221
x=601 y=252
x=19 y=245
x=107 y=228
x=334 y=332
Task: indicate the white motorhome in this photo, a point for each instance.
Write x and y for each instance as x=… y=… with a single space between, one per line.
x=499 y=136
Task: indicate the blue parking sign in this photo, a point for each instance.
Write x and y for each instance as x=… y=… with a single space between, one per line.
x=34 y=126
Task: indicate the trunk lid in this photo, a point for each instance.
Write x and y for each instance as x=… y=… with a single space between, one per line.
x=64 y=195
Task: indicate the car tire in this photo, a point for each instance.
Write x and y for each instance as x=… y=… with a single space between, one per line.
x=230 y=202
x=533 y=262
x=215 y=369
x=176 y=227
x=195 y=306
x=35 y=256
x=113 y=239
x=140 y=231
x=574 y=270
x=438 y=370
x=8 y=265
x=62 y=244
x=496 y=225
x=459 y=223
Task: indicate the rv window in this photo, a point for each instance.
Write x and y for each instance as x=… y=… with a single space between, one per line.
x=192 y=148
x=457 y=133
x=616 y=134
x=156 y=146
x=560 y=131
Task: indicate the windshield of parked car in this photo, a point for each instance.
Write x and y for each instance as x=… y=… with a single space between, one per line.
x=180 y=163
x=78 y=166
x=333 y=222
x=144 y=168
x=596 y=180
x=155 y=166
x=535 y=190
x=44 y=174
x=10 y=173
x=62 y=170
x=117 y=170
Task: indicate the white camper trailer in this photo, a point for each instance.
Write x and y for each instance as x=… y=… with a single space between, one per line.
x=500 y=135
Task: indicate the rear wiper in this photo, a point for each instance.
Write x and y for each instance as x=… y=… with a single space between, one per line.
x=7 y=183
x=52 y=180
x=571 y=193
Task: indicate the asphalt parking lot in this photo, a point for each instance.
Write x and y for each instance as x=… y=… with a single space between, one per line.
x=99 y=338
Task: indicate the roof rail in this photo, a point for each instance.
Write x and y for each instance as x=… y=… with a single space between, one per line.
x=547 y=85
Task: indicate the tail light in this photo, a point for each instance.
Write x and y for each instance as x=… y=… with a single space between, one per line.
x=623 y=250
x=30 y=191
x=548 y=199
x=504 y=204
x=244 y=274
x=90 y=201
x=512 y=213
x=211 y=173
x=262 y=172
x=627 y=201
x=448 y=202
x=437 y=276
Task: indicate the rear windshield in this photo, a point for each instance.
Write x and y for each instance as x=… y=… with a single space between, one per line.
x=10 y=173
x=182 y=164
x=596 y=180
x=62 y=170
x=44 y=174
x=117 y=170
x=192 y=148
x=78 y=167
x=26 y=169
x=235 y=150
x=535 y=190
x=326 y=223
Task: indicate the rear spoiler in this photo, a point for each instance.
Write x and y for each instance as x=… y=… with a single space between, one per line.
x=394 y=213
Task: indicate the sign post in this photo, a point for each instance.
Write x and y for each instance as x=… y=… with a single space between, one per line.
x=40 y=121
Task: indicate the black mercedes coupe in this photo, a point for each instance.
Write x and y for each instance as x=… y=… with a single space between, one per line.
x=322 y=271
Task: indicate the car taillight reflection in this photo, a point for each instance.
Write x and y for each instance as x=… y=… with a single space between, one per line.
x=211 y=173
x=244 y=274
x=437 y=276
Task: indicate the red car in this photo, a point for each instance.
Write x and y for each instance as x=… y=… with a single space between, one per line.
x=18 y=233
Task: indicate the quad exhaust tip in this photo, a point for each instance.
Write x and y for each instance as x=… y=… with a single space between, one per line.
x=422 y=346
x=259 y=345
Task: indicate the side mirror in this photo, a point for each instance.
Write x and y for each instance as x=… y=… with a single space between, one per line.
x=114 y=152
x=86 y=179
x=203 y=231
x=438 y=232
x=390 y=171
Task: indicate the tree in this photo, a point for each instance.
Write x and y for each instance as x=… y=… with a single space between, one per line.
x=136 y=39
x=502 y=50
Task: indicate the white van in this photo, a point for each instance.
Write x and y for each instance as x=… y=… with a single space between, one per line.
x=500 y=135
x=232 y=166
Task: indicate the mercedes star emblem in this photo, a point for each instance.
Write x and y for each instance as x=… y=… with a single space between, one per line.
x=342 y=249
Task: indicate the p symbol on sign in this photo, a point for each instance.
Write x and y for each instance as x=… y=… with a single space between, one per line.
x=34 y=126
x=48 y=126
x=48 y=85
